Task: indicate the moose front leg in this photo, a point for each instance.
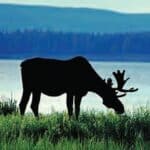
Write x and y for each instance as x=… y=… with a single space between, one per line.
x=35 y=102
x=24 y=101
x=77 y=106
x=70 y=104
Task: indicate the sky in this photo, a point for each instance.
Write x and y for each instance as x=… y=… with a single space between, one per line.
x=131 y=6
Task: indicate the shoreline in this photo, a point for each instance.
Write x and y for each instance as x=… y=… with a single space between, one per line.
x=90 y=59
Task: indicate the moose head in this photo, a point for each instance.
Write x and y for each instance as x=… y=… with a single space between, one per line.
x=112 y=94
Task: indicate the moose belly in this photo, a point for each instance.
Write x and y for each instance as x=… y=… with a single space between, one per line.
x=53 y=91
x=60 y=91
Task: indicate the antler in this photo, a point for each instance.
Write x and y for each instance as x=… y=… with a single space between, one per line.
x=119 y=76
x=121 y=81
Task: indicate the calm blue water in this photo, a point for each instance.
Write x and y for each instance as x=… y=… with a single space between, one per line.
x=10 y=82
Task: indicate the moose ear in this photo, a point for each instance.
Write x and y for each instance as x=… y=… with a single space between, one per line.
x=109 y=82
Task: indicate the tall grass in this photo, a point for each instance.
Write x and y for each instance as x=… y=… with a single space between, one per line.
x=122 y=129
x=93 y=130
x=8 y=106
x=65 y=144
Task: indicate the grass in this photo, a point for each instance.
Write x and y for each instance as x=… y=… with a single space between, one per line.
x=45 y=144
x=8 y=106
x=93 y=130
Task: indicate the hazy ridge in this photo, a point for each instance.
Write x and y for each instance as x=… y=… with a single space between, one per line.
x=14 y=17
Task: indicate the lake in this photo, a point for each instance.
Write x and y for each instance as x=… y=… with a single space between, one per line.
x=10 y=84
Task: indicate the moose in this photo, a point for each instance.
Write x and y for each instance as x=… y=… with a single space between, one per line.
x=75 y=77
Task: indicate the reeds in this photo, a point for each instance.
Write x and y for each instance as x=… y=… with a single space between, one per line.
x=93 y=130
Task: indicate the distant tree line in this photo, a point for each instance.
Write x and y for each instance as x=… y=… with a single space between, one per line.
x=21 y=44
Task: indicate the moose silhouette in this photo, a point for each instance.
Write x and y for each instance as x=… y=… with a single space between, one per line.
x=75 y=77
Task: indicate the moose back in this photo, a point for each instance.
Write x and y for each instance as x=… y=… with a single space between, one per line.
x=75 y=77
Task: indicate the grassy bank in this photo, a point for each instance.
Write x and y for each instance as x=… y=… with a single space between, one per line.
x=91 y=144
x=93 y=130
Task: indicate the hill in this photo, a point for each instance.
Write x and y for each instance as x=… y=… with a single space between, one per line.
x=14 y=17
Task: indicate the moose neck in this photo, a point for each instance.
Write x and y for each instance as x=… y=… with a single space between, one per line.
x=101 y=88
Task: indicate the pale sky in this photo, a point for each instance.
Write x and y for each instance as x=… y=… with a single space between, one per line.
x=133 y=6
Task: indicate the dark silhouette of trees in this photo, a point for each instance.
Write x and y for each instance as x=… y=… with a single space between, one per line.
x=22 y=44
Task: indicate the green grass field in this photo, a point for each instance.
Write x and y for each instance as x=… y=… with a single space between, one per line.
x=93 y=131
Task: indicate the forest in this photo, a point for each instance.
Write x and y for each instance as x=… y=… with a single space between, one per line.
x=95 y=46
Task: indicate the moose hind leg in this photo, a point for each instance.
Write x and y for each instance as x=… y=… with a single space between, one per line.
x=24 y=101
x=77 y=105
x=70 y=104
x=35 y=102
